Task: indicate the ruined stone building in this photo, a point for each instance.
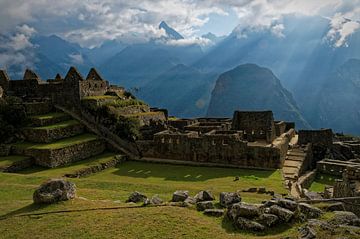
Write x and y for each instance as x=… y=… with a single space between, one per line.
x=64 y=91
x=249 y=139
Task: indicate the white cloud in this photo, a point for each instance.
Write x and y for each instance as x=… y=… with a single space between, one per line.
x=93 y=21
x=189 y=41
x=16 y=48
x=77 y=59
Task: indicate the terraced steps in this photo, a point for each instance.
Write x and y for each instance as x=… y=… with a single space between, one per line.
x=51 y=133
x=63 y=151
x=48 y=119
x=15 y=163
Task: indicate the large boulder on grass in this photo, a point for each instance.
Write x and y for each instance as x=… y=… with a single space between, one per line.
x=180 y=196
x=136 y=197
x=227 y=199
x=204 y=196
x=345 y=218
x=54 y=190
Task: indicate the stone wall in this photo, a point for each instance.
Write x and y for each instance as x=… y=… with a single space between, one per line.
x=205 y=127
x=322 y=137
x=181 y=123
x=348 y=188
x=336 y=167
x=52 y=134
x=225 y=147
x=259 y=124
x=57 y=157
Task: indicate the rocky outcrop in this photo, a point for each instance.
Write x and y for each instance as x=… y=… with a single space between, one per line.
x=283 y=213
x=53 y=191
x=214 y=212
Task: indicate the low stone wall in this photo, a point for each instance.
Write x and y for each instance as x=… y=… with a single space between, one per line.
x=334 y=167
x=19 y=165
x=57 y=157
x=51 y=135
x=96 y=168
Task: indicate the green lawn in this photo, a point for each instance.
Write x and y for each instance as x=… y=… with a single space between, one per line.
x=321 y=181
x=110 y=188
x=60 y=143
x=9 y=160
x=62 y=124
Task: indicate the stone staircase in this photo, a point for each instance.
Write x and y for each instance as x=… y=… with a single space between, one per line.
x=294 y=163
x=51 y=139
x=297 y=161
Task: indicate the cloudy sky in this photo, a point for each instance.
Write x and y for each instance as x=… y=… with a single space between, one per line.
x=90 y=22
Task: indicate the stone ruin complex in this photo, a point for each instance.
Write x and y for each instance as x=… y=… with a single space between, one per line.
x=250 y=139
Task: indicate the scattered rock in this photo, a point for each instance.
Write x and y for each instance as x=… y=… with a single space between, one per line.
x=214 y=212
x=227 y=199
x=180 y=196
x=246 y=224
x=283 y=213
x=190 y=200
x=309 y=211
x=307 y=233
x=345 y=218
x=54 y=190
x=268 y=219
x=288 y=204
x=271 y=202
x=237 y=178
x=204 y=196
x=136 y=197
x=201 y=206
x=146 y=202
x=179 y=204
x=322 y=224
x=338 y=206
x=156 y=200
x=261 y=190
x=243 y=210
x=328 y=192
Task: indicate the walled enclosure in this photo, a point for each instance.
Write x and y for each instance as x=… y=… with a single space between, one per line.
x=322 y=137
x=212 y=141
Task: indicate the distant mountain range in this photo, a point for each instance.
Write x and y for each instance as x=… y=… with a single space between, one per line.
x=313 y=77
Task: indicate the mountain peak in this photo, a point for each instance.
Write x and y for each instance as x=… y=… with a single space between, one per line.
x=170 y=32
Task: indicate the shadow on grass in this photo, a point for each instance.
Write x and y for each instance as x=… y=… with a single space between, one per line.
x=228 y=226
x=27 y=209
x=186 y=173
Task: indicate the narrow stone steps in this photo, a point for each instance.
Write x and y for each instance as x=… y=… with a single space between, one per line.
x=54 y=132
x=48 y=119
